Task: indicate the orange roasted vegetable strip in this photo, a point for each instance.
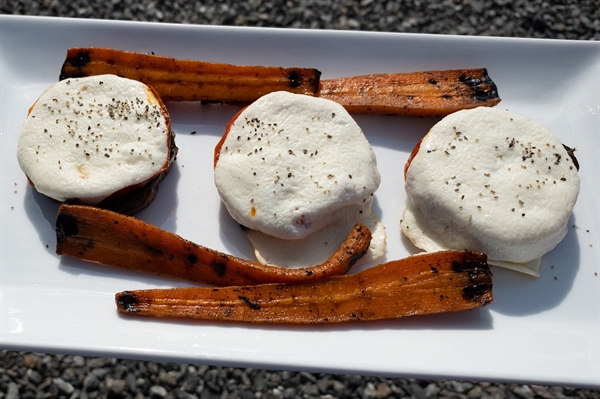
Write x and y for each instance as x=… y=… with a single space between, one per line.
x=431 y=93
x=188 y=80
x=109 y=238
x=440 y=282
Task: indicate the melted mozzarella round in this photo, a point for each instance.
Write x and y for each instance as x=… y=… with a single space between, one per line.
x=290 y=161
x=491 y=181
x=291 y=165
x=87 y=138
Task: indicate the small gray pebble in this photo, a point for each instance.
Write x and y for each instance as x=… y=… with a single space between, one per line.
x=304 y=376
x=115 y=387
x=91 y=382
x=157 y=392
x=78 y=361
x=63 y=386
x=12 y=392
x=33 y=376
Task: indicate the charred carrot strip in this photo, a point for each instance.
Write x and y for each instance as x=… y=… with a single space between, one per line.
x=109 y=238
x=447 y=281
x=432 y=93
x=188 y=80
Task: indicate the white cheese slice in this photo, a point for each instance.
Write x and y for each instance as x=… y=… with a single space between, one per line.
x=88 y=138
x=320 y=245
x=291 y=165
x=491 y=181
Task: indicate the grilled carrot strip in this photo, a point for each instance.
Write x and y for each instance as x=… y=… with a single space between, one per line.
x=447 y=281
x=432 y=93
x=187 y=80
x=109 y=238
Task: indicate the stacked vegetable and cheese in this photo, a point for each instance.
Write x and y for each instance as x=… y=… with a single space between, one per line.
x=491 y=181
x=101 y=140
x=299 y=173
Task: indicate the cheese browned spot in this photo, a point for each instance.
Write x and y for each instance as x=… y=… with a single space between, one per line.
x=491 y=181
x=97 y=140
x=290 y=166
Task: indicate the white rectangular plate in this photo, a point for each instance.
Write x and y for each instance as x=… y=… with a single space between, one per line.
x=542 y=330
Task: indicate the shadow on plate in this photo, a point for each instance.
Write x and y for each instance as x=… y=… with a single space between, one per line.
x=237 y=243
x=194 y=113
x=162 y=212
x=399 y=133
x=519 y=295
x=42 y=211
x=471 y=320
x=233 y=236
x=77 y=267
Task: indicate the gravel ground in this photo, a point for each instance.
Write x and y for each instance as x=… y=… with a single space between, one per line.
x=570 y=19
x=39 y=375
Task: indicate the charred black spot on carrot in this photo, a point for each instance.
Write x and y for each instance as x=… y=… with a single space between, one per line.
x=192 y=259
x=252 y=305
x=81 y=59
x=66 y=226
x=219 y=267
x=155 y=251
x=356 y=256
x=71 y=75
x=484 y=88
x=315 y=80
x=127 y=301
x=294 y=79
x=457 y=267
x=476 y=291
